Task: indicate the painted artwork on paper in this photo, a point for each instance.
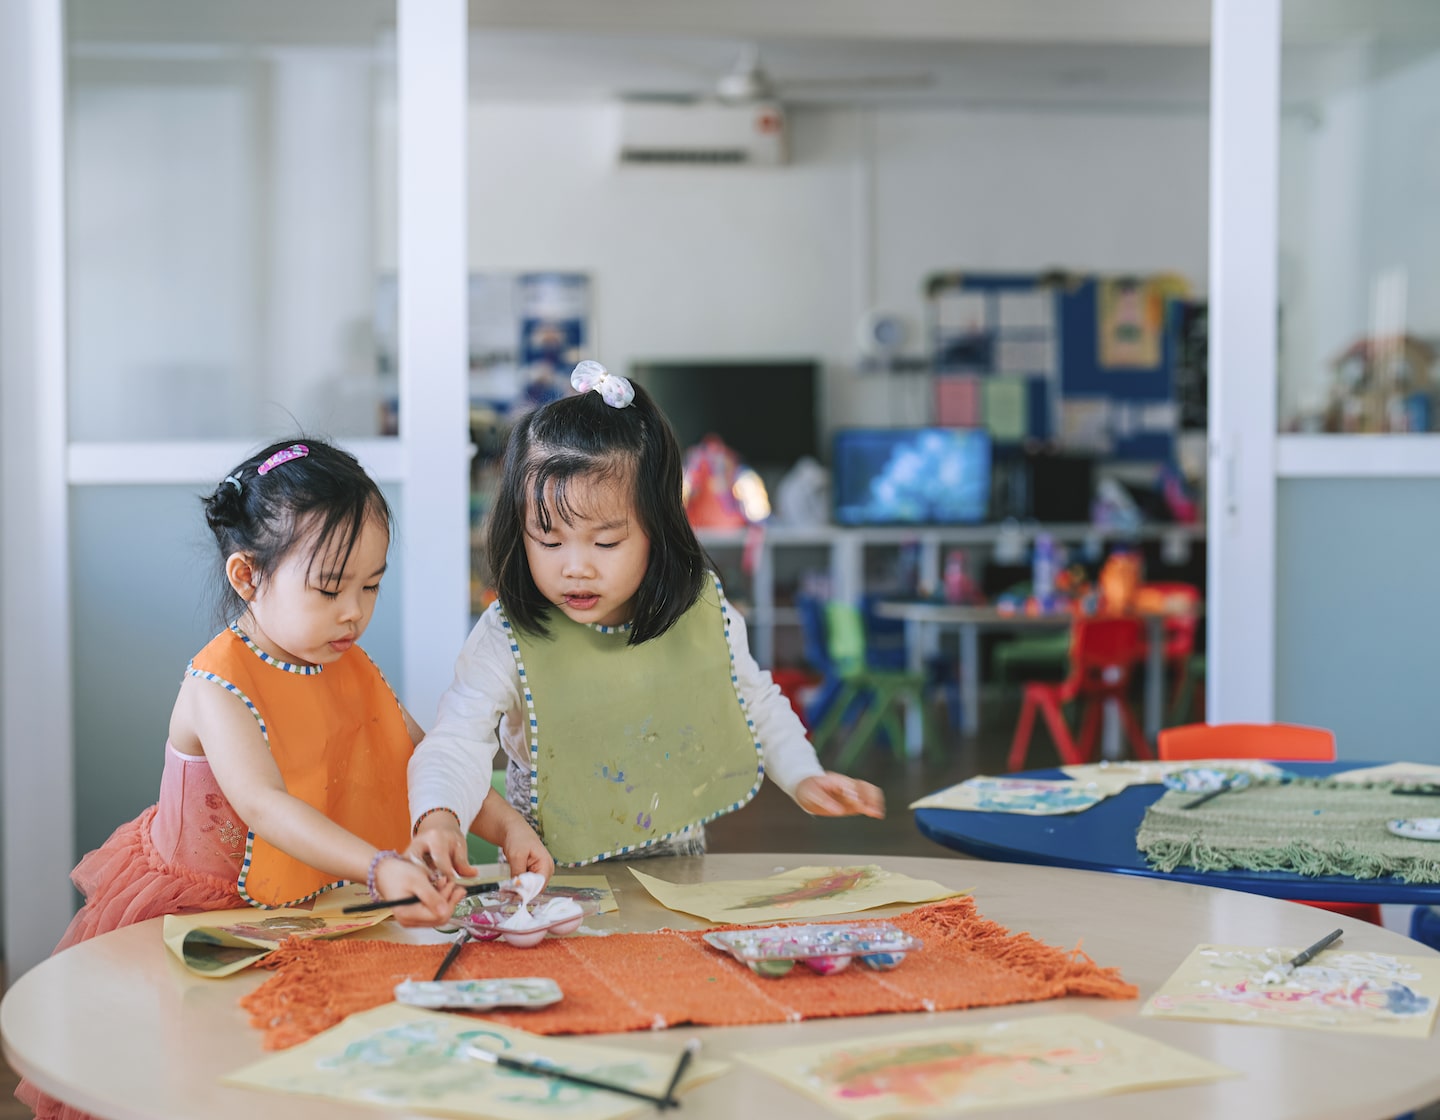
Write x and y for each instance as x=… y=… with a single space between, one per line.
x=953 y=1070
x=799 y=893
x=1367 y=993
x=1401 y=773
x=406 y=1059
x=1031 y=796
x=218 y=942
x=1141 y=773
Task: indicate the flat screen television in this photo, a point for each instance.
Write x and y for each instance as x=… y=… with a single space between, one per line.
x=911 y=476
x=764 y=410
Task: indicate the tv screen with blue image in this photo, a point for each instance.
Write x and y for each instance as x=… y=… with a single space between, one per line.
x=911 y=476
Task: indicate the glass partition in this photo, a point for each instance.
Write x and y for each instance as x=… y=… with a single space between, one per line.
x=226 y=210
x=1359 y=233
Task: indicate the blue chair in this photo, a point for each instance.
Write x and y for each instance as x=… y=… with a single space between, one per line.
x=886 y=648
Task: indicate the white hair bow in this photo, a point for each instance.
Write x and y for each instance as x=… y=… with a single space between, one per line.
x=614 y=390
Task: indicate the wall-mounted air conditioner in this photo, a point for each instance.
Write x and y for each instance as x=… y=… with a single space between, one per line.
x=702 y=132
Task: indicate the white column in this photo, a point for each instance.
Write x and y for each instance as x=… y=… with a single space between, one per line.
x=37 y=750
x=434 y=403
x=1244 y=160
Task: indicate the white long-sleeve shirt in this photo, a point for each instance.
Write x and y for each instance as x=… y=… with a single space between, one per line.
x=483 y=711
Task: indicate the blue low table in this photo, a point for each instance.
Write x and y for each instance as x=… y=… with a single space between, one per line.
x=1102 y=838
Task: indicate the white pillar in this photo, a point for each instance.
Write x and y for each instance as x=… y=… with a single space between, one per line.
x=434 y=402
x=37 y=748
x=1244 y=161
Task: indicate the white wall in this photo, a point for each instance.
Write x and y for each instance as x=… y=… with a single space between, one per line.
x=726 y=262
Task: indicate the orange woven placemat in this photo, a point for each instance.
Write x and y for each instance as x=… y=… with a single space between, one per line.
x=643 y=981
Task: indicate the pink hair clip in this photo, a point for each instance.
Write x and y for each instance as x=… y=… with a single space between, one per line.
x=615 y=390
x=284 y=455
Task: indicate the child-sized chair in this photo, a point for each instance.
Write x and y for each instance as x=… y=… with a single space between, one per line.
x=1103 y=652
x=834 y=635
x=1277 y=741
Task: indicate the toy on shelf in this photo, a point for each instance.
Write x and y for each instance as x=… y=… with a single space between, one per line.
x=718 y=490
x=1381 y=384
x=1119 y=582
x=825 y=949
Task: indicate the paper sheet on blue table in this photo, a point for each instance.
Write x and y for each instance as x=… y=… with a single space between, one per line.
x=1030 y=796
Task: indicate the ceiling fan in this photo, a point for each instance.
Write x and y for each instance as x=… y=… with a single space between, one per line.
x=748 y=82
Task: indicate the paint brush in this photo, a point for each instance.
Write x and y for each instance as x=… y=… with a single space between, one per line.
x=386 y=903
x=1280 y=972
x=555 y=1074
x=1208 y=795
x=686 y=1057
x=451 y=955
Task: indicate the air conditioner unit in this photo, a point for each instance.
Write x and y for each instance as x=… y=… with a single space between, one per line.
x=702 y=132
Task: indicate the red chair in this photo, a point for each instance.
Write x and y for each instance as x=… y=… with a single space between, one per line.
x=1282 y=741
x=1103 y=653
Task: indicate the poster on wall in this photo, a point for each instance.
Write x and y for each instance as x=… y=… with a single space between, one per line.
x=526 y=332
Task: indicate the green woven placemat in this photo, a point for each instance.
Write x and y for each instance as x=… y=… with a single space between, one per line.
x=1308 y=826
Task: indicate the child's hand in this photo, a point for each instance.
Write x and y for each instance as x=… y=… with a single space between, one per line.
x=401 y=878
x=525 y=851
x=834 y=795
x=441 y=844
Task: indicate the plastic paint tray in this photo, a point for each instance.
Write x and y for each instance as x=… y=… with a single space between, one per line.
x=479 y=995
x=483 y=923
x=826 y=949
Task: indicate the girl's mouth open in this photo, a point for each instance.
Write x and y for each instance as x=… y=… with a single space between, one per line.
x=581 y=602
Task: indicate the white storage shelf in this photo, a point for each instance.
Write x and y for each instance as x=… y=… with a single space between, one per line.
x=846 y=547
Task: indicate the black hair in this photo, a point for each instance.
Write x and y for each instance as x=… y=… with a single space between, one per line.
x=324 y=496
x=583 y=437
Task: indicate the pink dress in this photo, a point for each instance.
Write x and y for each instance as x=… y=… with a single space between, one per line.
x=181 y=855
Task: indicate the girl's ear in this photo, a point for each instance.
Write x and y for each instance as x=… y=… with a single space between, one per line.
x=241 y=574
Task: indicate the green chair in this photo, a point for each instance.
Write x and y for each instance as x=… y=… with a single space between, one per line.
x=1019 y=659
x=482 y=851
x=1193 y=672
x=878 y=694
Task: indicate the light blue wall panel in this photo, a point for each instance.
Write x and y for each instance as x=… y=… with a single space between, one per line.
x=1358 y=613
x=141 y=565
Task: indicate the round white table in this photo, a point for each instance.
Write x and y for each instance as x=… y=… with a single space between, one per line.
x=121 y=1029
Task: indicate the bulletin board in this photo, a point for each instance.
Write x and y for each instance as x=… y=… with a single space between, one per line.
x=1082 y=361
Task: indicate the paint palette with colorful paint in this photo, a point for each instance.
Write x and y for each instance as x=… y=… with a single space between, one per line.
x=824 y=949
x=522 y=926
x=479 y=995
x=1416 y=828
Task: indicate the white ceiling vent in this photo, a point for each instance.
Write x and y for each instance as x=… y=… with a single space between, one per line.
x=701 y=132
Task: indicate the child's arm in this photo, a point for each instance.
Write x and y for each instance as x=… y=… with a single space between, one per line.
x=218 y=723
x=449 y=774
x=790 y=760
x=439 y=841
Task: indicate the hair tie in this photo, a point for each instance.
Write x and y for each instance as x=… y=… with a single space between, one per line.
x=284 y=455
x=614 y=390
x=233 y=481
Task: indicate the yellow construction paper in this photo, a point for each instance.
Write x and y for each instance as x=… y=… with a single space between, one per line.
x=1152 y=773
x=218 y=942
x=407 y=1059
x=802 y=892
x=1364 y=993
x=948 y=1070
x=1406 y=773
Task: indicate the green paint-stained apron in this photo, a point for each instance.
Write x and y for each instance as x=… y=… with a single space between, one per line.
x=631 y=744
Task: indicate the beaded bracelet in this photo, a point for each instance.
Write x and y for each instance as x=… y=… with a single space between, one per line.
x=388 y=853
x=438 y=809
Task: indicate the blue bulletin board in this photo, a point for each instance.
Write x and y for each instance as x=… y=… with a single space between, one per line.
x=1082 y=361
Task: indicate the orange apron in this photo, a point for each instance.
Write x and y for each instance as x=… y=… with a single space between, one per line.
x=337 y=734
